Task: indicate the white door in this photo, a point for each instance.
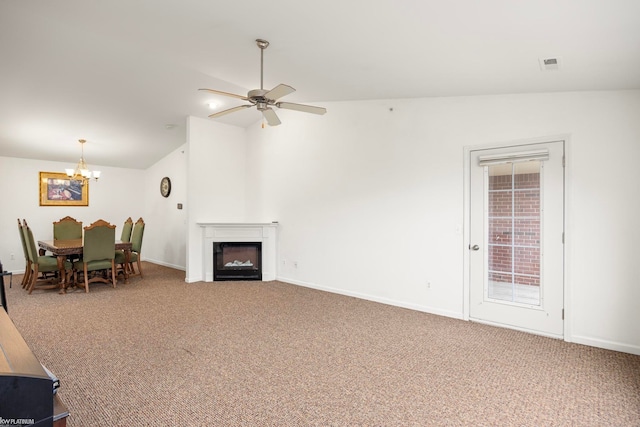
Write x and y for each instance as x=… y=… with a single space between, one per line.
x=516 y=237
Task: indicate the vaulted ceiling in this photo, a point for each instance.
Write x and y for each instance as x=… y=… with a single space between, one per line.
x=124 y=74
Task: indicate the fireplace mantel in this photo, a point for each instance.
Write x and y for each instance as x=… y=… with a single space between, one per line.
x=240 y=232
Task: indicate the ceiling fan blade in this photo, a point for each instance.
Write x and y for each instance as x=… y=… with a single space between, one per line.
x=271 y=116
x=219 y=92
x=230 y=110
x=301 y=107
x=279 y=91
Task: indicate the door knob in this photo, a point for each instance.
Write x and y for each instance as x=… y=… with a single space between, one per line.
x=474 y=247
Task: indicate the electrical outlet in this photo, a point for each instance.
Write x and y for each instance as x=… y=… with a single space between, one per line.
x=428 y=284
x=13 y=256
x=295 y=264
x=284 y=262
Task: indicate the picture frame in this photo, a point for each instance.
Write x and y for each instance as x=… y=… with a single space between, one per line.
x=57 y=189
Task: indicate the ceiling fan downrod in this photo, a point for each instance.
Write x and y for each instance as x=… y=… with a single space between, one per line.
x=262 y=44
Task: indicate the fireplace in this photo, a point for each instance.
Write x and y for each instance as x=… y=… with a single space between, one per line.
x=263 y=232
x=237 y=260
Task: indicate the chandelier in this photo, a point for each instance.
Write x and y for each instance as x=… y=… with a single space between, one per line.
x=81 y=172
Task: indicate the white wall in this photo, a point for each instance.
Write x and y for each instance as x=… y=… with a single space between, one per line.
x=118 y=194
x=113 y=198
x=165 y=239
x=216 y=182
x=370 y=200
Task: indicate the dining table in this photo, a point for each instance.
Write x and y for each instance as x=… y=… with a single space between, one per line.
x=64 y=248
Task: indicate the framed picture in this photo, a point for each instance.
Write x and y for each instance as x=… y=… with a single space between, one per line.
x=56 y=189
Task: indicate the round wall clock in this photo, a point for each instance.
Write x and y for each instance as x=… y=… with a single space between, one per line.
x=165 y=186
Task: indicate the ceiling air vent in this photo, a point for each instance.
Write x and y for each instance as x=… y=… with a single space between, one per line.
x=551 y=63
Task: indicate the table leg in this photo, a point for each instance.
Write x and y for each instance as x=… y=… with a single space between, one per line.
x=63 y=274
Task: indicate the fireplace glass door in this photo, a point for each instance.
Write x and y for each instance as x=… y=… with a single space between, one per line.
x=237 y=261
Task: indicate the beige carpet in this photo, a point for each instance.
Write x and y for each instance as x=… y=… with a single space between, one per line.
x=160 y=352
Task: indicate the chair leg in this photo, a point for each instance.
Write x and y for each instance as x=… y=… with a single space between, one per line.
x=27 y=275
x=86 y=279
x=24 y=277
x=140 y=268
x=34 y=278
x=113 y=273
x=68 y=275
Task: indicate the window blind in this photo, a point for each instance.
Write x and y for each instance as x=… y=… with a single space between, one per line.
x=522 y=156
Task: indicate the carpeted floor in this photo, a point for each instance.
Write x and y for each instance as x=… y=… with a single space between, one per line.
x=160 y=352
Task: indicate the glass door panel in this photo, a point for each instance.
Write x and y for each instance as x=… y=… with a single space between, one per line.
x=516 y=228
x=513 y=207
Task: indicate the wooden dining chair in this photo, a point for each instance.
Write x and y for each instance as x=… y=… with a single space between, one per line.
x=136 y=247
x=41 y=264
x=98 y=254
x=125 y=236
x=27 y=267
x=67 y=228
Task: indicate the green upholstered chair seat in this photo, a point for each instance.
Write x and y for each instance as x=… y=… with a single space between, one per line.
x=102 y=264
x=120 y=257
x=50 y=263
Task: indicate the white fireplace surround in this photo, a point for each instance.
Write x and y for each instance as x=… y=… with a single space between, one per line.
x=240 y=232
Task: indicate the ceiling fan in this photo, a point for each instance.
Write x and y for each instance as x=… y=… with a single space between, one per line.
x=265 y=99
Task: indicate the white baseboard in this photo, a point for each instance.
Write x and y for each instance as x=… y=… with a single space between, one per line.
x=387 y=301
x=592 y=342
x=607 y=345
x=152 y=261
x=165 y=264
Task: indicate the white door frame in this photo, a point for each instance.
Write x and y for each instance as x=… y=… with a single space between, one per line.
x=467 y=220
